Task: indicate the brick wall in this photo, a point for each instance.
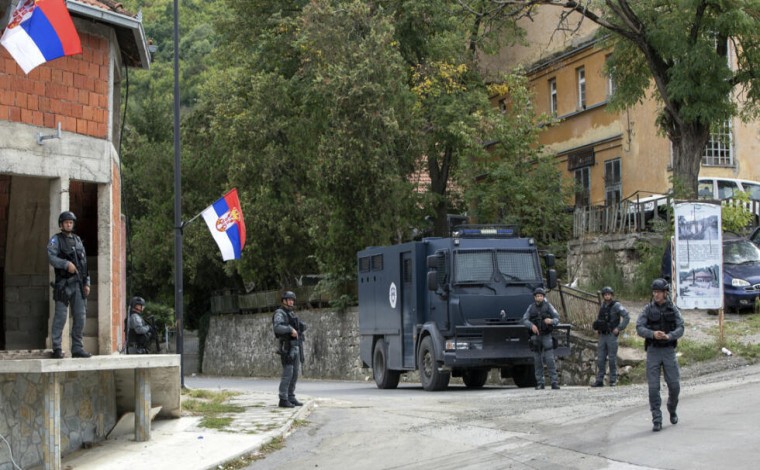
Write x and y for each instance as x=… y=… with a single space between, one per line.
x=70 y=90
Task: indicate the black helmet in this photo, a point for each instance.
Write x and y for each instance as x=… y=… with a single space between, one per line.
x=660 y=284
x=288 y=294
x=607 y=290
x=66 y=215
x=136 y=301
x=539 y=290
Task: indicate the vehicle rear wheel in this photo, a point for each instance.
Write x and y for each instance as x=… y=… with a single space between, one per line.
x=475 y=378
x=524 y=376
x=384 y=378
x=431 y=378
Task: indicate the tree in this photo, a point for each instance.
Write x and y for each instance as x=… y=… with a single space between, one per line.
x=513 y=180
x=686 y=49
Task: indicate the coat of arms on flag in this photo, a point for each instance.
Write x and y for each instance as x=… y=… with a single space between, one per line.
x=225 y=221
x=40 y=31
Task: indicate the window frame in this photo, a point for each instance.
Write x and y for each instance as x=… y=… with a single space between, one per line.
x=580 y=75
x=553 y=100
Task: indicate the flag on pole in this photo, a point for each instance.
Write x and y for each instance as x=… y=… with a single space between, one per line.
x=40 y=31
x=225 y=221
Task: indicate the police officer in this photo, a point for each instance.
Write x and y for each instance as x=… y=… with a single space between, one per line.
x=72 y=285
x=541 y=318
x=612 y=319
x=289 y=332
x=139 y=333
x=661 y=324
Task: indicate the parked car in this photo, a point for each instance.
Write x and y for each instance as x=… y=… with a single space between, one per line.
x=741 y=272
x=725 y=188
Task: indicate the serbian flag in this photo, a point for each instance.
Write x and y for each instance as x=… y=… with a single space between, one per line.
x=225 y=221
x=40 y=31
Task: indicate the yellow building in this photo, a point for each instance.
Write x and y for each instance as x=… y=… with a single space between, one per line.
x=610 y=156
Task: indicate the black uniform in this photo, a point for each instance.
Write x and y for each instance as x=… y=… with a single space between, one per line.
x=69 y=289
x=284 y=321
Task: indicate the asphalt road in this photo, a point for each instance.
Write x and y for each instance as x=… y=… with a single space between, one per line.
x=357 y=426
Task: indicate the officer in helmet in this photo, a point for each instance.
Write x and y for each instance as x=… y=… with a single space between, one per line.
x=541 y=318
x=611 y=320
x=661 y=325
x=288 y=330
x=139 y=333
x=72 y=285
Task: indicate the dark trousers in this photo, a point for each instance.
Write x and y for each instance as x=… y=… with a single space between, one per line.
x=291 y=361
x=662 y=359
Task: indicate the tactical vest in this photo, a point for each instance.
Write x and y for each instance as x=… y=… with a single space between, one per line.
x=292 y=321
x=607 y=319
x=71 y=249
x=538 y=314
x=661 y=319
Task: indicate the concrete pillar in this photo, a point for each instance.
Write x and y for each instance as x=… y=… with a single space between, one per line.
x=51 y=445
x=59 y=202
x=142 y=405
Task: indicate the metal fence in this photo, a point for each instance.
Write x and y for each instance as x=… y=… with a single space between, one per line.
x=576 y=306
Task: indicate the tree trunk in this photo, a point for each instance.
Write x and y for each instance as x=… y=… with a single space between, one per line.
x=688 y=147
x=438 y=169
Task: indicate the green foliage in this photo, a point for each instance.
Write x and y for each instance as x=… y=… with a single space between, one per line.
x=737 y=217
x=512 y=181
x=162 y=315
x=605 y=271
x=648 y=268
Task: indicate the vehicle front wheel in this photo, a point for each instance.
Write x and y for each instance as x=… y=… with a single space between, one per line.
x=475 y=378
x=431 y=378
x=524 y=376
x=384 y=378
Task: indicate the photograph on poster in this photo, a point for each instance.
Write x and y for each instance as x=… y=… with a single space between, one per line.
x=699 y=255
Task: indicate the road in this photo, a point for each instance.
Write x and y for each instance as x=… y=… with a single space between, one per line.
x=357 y=426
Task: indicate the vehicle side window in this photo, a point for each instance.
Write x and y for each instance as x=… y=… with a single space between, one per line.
x=726 y=189
x=755 y=238
x=753 y=190
x=705 y=190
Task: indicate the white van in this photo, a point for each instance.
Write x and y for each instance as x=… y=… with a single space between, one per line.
x=724 y=188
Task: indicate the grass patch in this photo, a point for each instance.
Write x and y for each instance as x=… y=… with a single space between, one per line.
x=693 y=352
x=244 y=461
x=211 y=405
x=215 y=422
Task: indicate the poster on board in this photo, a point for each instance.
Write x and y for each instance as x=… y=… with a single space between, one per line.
x=698 y=280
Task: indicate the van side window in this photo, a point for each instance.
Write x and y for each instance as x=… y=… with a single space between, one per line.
x=705 y=190
x=726 y=189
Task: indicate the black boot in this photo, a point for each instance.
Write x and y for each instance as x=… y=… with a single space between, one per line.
x=295 y=402
x=57 y=354
x=657 y=427
x=286 y=404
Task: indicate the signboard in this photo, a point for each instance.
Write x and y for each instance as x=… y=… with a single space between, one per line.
x=698 y=256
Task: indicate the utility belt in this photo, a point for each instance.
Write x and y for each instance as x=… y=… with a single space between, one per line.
x=648 y=342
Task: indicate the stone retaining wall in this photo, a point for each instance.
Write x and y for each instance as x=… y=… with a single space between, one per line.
x=243 y=345
x=88 y=412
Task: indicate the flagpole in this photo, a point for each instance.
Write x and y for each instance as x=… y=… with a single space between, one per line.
x=178 y=286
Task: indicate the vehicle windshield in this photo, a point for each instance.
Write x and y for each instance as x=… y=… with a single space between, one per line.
x=740 y=252
x=477 y=266
x=753 y=190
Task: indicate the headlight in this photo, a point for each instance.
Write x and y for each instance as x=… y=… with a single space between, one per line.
x=739 y=283
x=452 y=345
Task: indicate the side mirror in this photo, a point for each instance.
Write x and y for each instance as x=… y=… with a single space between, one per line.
x=549 y=260
x=551 y=278
x=432 y=280
x=432 y=262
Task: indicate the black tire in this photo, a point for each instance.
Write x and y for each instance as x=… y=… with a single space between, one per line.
x=431 y=378
x=475 y=378
x=524 y=376
x=384 y=378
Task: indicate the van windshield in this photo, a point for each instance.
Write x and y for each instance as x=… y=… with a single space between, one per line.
x=481 y=266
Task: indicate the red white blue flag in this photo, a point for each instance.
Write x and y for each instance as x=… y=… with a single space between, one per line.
x=40 y=31
x=225 y=221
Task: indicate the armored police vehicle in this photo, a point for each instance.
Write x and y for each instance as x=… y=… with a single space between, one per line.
x=452 y=307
